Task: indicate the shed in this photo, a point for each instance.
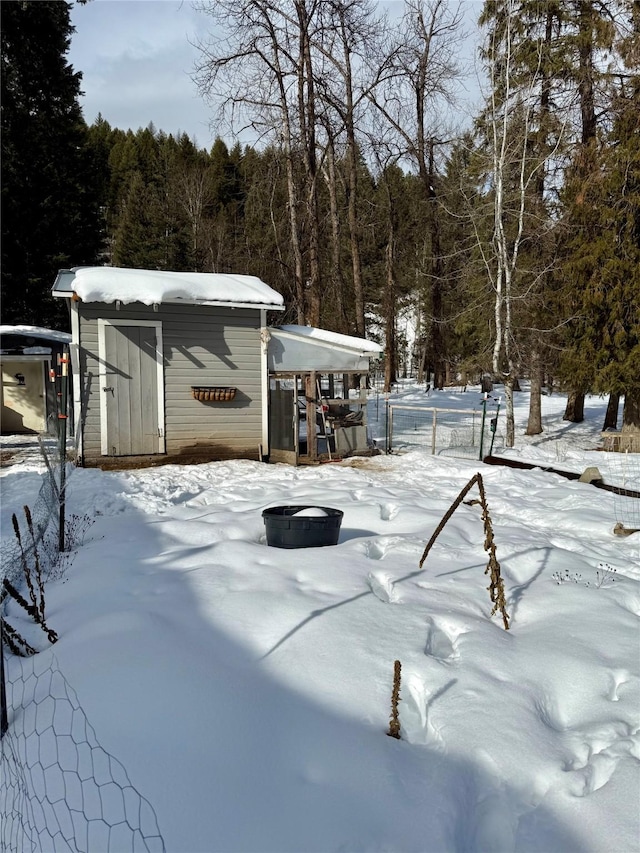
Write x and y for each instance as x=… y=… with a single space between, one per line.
x=317 y=393
x=168 y=366
x=27 y=394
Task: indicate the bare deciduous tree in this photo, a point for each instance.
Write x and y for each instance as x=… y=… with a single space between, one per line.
x=349 y=30
x=254 y=75
x=192 y=192
x=415 y=81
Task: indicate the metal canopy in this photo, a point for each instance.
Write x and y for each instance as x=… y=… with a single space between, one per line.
x=301 y=349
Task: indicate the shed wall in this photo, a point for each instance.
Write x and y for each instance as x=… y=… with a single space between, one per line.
x=202 y=346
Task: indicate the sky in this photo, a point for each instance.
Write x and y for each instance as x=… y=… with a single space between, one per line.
x=229 y=696
x=137 y=58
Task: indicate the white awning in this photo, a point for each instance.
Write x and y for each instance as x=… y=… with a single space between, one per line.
x=298 y=349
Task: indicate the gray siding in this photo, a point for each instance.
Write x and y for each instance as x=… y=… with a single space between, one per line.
x=202 y=346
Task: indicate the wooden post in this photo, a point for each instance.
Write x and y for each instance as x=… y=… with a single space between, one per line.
x=310 y=393
x=332 y=390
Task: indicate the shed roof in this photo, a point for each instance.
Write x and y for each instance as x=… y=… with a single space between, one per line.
x=36 y=332
x=108 y=284
x=360 y=345
x=295 y=349
x=31 y=340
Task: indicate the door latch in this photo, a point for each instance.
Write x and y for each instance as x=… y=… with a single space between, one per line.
x=107 y=388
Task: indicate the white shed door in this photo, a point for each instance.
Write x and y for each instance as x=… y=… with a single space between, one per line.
x=130 y=389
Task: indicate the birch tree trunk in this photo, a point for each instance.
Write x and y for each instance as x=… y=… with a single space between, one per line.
x=510 y=114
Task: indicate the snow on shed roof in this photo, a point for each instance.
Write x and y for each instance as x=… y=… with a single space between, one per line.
x=36 y=332
x=296 y=349
x=335 y=338
x=108 y=284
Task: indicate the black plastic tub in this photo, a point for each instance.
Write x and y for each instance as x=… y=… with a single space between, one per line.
x=285 y=529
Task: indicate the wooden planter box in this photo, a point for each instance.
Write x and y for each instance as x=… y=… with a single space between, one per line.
x=212 y=393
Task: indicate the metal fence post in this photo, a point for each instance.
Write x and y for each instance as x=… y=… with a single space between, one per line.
x=484 y=414
x=62 y=435
x=494 y=426
x=434 y=430
x=4 y=716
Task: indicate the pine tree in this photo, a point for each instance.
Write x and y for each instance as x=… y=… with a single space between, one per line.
x=467 y=305
x=49 y=200
x=605 y=258
x=397 y=206
x=598 y=250
x=139 y=242
x=99 y=144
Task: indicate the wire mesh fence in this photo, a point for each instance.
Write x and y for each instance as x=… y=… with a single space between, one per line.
x=43 y=537
x=59 y=789
x=624 y=472
x=45 y=514
x=462 y=433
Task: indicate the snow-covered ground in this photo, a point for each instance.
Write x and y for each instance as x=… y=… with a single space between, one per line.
x=247 y=689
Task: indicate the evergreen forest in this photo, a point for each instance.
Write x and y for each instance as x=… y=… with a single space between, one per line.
x=511 y=240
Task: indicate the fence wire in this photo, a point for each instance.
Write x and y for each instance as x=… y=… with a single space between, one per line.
x=624 y=472
x=59 y=789
x=443 y=432
x=45 y=514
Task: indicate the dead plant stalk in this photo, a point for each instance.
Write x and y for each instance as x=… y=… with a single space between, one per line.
x=496 y=585
x=394 y=722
